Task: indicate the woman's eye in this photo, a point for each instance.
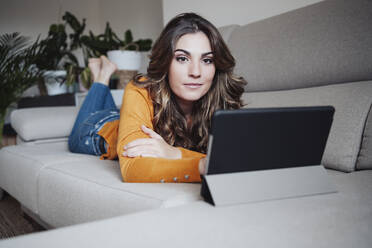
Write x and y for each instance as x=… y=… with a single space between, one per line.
x=208 y=60
x=181 y=58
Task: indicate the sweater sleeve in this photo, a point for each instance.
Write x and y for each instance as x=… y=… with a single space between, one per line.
x=137 y=110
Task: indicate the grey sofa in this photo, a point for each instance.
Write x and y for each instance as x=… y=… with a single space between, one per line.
x=317 y=55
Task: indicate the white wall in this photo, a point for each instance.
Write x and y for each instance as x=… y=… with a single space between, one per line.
x=143 y=17
x=33 y=17
x=226 y=12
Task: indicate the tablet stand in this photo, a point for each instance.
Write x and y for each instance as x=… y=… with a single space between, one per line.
x=255 y=186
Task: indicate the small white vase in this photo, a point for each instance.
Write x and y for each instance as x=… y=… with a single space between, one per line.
x=125 y=60
x=54 y=86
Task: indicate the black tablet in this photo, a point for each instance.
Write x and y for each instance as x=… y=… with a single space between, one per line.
x=267 y=138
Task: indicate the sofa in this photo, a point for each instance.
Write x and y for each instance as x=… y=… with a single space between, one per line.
x=320 y=54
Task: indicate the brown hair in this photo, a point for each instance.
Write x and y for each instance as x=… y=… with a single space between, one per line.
x=225 y=92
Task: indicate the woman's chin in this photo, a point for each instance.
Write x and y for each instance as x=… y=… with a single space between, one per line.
x=192 y=97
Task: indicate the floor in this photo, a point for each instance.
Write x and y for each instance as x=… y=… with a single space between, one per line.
x=13 y=222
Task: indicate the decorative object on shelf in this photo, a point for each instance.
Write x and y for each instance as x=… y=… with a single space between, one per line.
x=55 y=55
x=97 y=45
x=124 y=77
x=126 y=53
x=77 y=73
x=125 y=60
x=85 y=79
x=128 y=57
x=17 y=70
x=55 y=82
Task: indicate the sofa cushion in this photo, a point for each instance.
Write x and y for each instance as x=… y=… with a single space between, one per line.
x=226 y=31
x=365 y=154
x=20 y=167
x=44 y=122
x=325 y=43
x=352 y=102
x=65 y=188
x=339 y=220
x=86 y=190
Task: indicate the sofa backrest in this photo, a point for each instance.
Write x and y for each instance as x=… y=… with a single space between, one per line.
x=325 y=43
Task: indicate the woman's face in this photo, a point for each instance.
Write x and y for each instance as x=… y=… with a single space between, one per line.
x=192 y=68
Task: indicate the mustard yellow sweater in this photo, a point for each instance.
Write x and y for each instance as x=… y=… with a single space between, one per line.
x=137 y=110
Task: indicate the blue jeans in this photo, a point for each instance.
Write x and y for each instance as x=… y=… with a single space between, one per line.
x=97 y=109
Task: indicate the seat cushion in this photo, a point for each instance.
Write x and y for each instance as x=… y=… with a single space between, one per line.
x=85 y=190
x=20 y=167
x=64 y=188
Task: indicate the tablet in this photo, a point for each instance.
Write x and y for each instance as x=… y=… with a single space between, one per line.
x=267 y=138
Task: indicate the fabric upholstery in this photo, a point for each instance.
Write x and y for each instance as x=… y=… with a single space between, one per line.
x=82 y=191
x=226 y=31
x=352 y=102
x=66 y=188
x=43 y=122
x=20 y=166
x=365 y=154
x=316 y=45
x=341 y=220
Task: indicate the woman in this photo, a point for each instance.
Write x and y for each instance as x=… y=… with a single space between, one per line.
x=97 y=110
x=166 y=115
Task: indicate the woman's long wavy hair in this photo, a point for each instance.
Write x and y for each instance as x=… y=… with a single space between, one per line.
x=225 y=92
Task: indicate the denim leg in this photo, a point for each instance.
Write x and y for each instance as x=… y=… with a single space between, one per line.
x=109 y=102
x=98 y=98
x=86 y=138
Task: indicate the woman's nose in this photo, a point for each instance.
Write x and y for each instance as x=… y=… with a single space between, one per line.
x=194 y=69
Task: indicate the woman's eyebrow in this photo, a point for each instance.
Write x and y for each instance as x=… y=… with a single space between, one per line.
x=188 y=53
x=205 y=54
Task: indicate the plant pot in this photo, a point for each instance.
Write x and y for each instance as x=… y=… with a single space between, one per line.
x=53 y=82
x=125 y=60
x=128 y=63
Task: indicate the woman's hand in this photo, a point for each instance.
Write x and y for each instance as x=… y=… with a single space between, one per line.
x=202 y=165
x=155 y=146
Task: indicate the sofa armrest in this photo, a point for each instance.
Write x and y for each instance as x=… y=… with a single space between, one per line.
x=43 y=122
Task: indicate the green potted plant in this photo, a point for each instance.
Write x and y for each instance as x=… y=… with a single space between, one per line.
x=54 y=58
x=75 y=72
x=92 y=46
x=17 y=70
x=125 y=53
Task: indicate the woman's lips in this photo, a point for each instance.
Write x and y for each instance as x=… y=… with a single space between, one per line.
x=193 y=85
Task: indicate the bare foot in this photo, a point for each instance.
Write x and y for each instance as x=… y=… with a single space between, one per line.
x=94 y=65
x=107 y=69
